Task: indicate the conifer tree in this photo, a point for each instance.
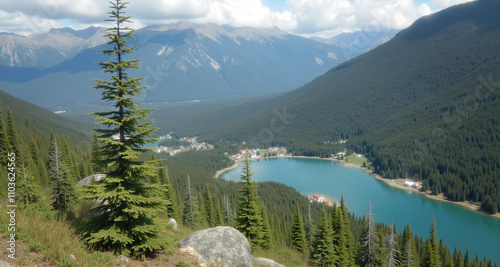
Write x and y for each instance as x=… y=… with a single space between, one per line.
x=267 y=237
x=369 y=242
x=170 y=196
x=190 y=214
x=12 y=133
x=309 y=227
x=96 y=155
x=219 y=217
x=63 y=190
x=128 y=206
x=226 y=209
x=208 y=206
x=392 y=252
x=458 y=259
x=432 y=257
x=324 y=253
x=28 y=191
x=340 y=238
x=351 y=247
x=4 y=141
x=409 y=256
x=249 y=220
x=298 y=234
x=467 y=259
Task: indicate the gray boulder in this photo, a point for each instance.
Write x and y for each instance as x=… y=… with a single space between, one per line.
x=91 y=178
x=173 y=223
x=266 y=262
x=220 y=246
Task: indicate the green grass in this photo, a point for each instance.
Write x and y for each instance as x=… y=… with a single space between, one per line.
x=53 y=238
x=357 y=159
x=285 y=256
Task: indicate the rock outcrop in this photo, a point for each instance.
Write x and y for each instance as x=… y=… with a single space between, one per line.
x=222 y=246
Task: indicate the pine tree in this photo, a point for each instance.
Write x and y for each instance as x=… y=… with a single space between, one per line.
x=128 y=206
x=190 y=214
x=267 y=237
x=298 y=234
x=458 y=259
x=12 y=133
x=392 y=251
x=323 y=253
x=4 y=142
x=63 y=190
x=28 y=191
x=339 y=238
x=351 y=247
x=432 y=257
x=226 y=209
x=309 y=228
x=409 y=256
x=96 y=155
x=467 y=259
x=249 y=220
x=170 y=195
x=208 y=206
x=369 y=242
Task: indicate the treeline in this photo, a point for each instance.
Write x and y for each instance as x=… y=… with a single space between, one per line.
x=36 y=159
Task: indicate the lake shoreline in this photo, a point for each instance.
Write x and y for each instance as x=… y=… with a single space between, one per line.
x=389 y=182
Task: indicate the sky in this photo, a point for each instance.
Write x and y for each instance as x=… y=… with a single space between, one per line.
x=322 y=18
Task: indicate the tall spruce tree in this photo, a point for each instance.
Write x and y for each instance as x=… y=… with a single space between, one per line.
x=267 y=235
x=208 y=205
x=28 y=191
x=249 y=220
x=128 y=206
x=298 y=233
x=324 y=253
x=409 y=256
x=63 y=190
x=432 y=257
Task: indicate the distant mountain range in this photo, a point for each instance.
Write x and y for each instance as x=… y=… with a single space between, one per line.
x=180 y=62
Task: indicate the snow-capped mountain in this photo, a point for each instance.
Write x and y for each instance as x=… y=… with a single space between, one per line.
x=47 y=49
x=360 y=41
x=178 y=61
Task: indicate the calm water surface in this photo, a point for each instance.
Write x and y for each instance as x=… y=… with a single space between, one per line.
x=456 y=225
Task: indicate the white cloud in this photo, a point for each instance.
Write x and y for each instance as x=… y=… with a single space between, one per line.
x=330 y=16
x=307 y=17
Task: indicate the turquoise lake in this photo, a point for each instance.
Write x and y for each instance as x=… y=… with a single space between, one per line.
x=457 y=226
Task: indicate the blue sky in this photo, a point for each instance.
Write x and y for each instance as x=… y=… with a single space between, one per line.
x=323 y=18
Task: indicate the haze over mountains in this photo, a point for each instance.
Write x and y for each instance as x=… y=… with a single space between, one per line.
x=181 y=62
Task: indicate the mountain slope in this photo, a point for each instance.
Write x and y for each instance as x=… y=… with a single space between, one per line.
x=33 y=118
x=433 y=68
x=183 y=62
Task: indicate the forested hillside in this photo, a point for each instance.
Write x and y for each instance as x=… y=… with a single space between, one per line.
x=436 y=79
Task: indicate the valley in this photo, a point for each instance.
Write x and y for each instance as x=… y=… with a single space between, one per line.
x=221 y=125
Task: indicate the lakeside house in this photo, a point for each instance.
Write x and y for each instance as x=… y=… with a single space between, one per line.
x=320 y=199
x=413 y=184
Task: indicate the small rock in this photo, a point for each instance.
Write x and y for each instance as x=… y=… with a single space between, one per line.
x=266 y=262
x=123 y=259
x=173 y=223
x=72 y=257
